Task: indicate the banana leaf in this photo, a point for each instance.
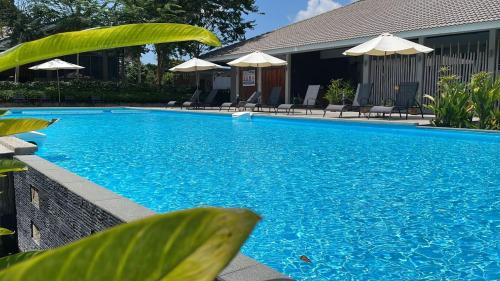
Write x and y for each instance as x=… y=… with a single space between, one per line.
x=11 y=166
x=4 y=231
x=17 y=258
x=185 y=245
x=103 y=38
x=16 y=126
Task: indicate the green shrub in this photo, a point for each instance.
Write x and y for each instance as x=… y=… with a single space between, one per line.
x=339 y=91
x=485 y=95
x=84 y=90
x=452 y=108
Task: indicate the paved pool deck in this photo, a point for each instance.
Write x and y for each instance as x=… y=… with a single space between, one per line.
x=318 y=115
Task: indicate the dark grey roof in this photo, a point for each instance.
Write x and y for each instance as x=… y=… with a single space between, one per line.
x=368 y=18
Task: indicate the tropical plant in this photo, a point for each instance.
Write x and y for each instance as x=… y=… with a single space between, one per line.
x=339 y=91
x=4 y=231
x=103 y=38
x=485 y=96
x=185 y=245
x=452 y=107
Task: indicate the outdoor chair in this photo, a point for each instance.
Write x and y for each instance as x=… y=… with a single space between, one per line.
x=194 y=101
x=406 y=98
x=274 y=99
x=233 y=103
x=252 y=102
x=209 y=100
x=19 y=98
x=360 y=101
x=96 y=99
x=309 y=101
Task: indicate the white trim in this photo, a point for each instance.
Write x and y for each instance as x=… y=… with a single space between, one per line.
x=445 y=30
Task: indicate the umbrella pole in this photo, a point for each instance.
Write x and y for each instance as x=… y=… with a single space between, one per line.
x=58 y=86
x=198 y=85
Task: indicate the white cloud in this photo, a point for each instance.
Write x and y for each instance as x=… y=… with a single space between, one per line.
x=316 y=7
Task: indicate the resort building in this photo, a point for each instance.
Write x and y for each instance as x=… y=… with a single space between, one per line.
x=463 y=33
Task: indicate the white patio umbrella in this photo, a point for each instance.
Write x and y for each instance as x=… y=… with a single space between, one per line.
x=387 y=44
x=196 y=65
x=56 y=65
x=258 y=60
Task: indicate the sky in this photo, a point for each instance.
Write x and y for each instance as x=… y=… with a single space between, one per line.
x=279 y=13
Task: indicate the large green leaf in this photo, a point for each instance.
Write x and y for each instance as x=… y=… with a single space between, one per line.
x=17 y=258
x=103 y=38
x=16 y=126
x=186 y=245
x=11 y=166
x=4 y=231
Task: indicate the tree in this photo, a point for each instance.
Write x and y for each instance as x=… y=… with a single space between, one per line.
x=153 y=11
x=226 y=18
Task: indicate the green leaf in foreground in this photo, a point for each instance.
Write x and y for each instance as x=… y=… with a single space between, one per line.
x=4 y=231
x=11 y=166
x=17 y=258
x=190 y=245
x=16 y=126
x=103 y=38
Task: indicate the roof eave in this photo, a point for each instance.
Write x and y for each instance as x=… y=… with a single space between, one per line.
x=428 y=32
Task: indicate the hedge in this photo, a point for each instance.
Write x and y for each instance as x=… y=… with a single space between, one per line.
x=86 y=90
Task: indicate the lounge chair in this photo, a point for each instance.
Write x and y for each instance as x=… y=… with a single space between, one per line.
x=209 y=100
x=233 y=103
x=194 y=101
x=406 y=98
x=308 y=104
x=96 y=99
x=274 y=99
x=252 y=102
x=360 y=101
x=19 y=98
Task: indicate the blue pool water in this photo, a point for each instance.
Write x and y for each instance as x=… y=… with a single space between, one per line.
x=362 y=202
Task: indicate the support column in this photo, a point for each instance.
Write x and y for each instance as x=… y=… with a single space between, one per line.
x=420 y=69
x=366 y=69
x=492 y=59
x=288 y=78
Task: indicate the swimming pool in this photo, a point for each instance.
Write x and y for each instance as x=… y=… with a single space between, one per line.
x=371 y=202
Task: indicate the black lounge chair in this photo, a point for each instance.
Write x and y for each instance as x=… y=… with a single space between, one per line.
x=194 y=101
x=360 y=101
x=274 y=99
x=209 y=100
x=308 y=104
x=252 y=102
x=19 y=98
x=406 y=98
x=94 y=99
x=233 y=103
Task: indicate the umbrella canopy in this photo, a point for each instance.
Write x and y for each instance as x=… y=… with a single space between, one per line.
x=387 y=44
x=56 y=64
x=196 y=65
x=257 y=59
